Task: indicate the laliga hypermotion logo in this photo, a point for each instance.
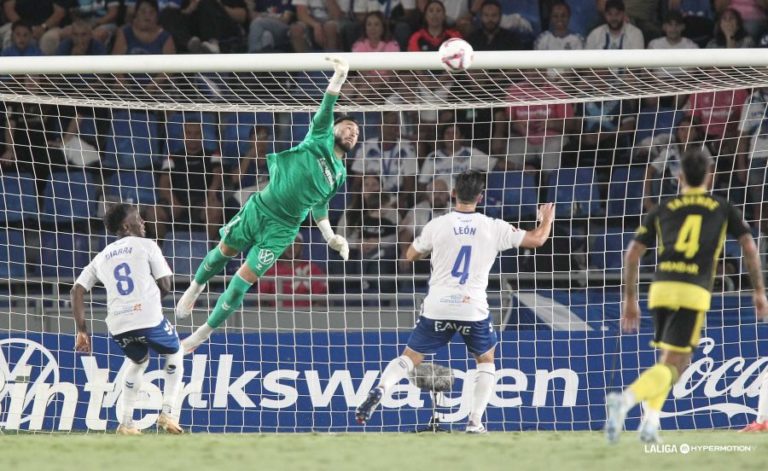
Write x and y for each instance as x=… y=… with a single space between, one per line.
x=27 y=371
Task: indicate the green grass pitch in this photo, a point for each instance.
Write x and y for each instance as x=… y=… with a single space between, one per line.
x=377 y=451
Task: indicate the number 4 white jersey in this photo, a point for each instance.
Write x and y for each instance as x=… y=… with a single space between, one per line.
x=464 y=247
x=128 y=269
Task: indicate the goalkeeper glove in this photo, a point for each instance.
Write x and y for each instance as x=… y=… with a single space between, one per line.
x=335 y=241
x=340 y=70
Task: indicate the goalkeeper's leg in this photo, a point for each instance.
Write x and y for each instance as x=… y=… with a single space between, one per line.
x=227 y=303
x=213 y=263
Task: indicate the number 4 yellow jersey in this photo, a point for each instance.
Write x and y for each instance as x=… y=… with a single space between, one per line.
x=688 y=231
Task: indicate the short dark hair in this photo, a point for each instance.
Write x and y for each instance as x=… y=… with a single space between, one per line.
x=615 y=5
x=674 y=16
x=21 y=24
x=469 y=185
x=345 y=117
x=695 y=165
x=560 y=3
x=115 y=215
x=493 y=3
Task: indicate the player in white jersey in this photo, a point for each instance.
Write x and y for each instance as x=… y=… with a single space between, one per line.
x=464 y=245
x=136 y=277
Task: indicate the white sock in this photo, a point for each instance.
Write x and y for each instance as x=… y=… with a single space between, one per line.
x=651 y=417
x=395 y=371
x=198 y=336
x=485 y=380
x=196 y=288
x=628 y=400
x=762 y=404
x=134 y=376
x=174 y=372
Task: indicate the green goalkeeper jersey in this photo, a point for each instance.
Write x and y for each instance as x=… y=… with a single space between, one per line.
x=305 y=177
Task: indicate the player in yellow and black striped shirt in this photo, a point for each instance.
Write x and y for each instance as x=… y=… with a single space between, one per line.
x=688 y=231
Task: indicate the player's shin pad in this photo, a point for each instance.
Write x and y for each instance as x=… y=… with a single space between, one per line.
x=229 y=301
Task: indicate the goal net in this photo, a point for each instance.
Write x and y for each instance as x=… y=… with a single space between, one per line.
x=185 y=138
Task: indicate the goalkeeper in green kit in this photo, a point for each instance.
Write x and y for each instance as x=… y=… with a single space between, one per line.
x=301 y=179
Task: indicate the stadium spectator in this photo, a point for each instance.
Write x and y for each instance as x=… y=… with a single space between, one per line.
x=584 y=16
x=81 y=41
x=616 y=33
x=189 y=186
x=657 y=119
x=699 y=17
x=559 y=35
x=376 y=38
x=392 y=158
x=664 y=165
x=251 y=173
x=370 y=227
x=434 y=31
x=269 y=27
x=673 y=38
x=452 y=157
x=752 y=13
x=437 y=204
x=645 y=15
x=607 y=131
x=401 y=15
x=40 y=15
x=293 y=274
x=730 y=32
x=80 y=138
x=752 y=157
x=170 y=18
x=533 y=136
x=101 y=14
x=144 y=35
x=317 y=25
x=458 y=13
x=351 y=22
x=491 y=36
x=216 y=25
x=22 y=43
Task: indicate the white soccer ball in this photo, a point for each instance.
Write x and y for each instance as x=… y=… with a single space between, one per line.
x=456 y=54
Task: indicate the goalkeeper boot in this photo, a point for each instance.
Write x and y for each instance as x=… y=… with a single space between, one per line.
x=127 y=430
x=756 y=427
x=475 y=429
x=187 y=301
x=365 y=410
x=169 y=424
x=614 y=422
x=649 y=432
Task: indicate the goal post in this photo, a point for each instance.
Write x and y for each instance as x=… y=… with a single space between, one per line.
x=595 y=132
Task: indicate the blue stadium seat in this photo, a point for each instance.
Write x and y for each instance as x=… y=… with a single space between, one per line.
x=295 y=131
x=574 y=192
x=607 y=249
x=19 y=198
x=132 y=187
x=235 y=130
x=64 y=254
x=494 y=198
x=625 y=191
x=69 y=197
x=174 y=128
x=12 y=254
x=185 y=251
x=521 y=195
x=134 y=140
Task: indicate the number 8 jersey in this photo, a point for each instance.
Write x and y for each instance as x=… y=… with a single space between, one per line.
x=128 y=269
x=463 y=246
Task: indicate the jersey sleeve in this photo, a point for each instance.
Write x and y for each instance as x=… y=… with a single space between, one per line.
x=646 y=233
x=737 y=226
x=424 y=243
x=157 y=262
x=87 y=278
x=507 y=235
x=322 y=121
x=320 y=211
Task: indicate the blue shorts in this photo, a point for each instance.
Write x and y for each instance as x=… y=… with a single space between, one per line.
x=430 y=334
x=161 y=338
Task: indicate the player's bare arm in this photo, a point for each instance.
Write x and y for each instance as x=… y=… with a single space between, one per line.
x=539 y=235
x=83 y=341
x=630 y=311
x=752 y=260
x=412 y=254
x=164 y=284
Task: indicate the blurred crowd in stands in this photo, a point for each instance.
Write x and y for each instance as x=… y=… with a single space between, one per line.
x=604 y=163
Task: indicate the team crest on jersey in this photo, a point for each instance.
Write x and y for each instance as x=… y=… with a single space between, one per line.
x=266 y=257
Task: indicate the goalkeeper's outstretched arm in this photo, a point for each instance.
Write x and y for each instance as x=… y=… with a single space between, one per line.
x=335 y=241
x=340 y=71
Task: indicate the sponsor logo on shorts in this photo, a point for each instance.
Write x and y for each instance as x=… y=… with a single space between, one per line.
x=266 y=257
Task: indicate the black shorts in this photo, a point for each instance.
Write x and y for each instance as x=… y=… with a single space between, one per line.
x=677 y=331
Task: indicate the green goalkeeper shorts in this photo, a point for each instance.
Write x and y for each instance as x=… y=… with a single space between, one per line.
x=254 y=227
